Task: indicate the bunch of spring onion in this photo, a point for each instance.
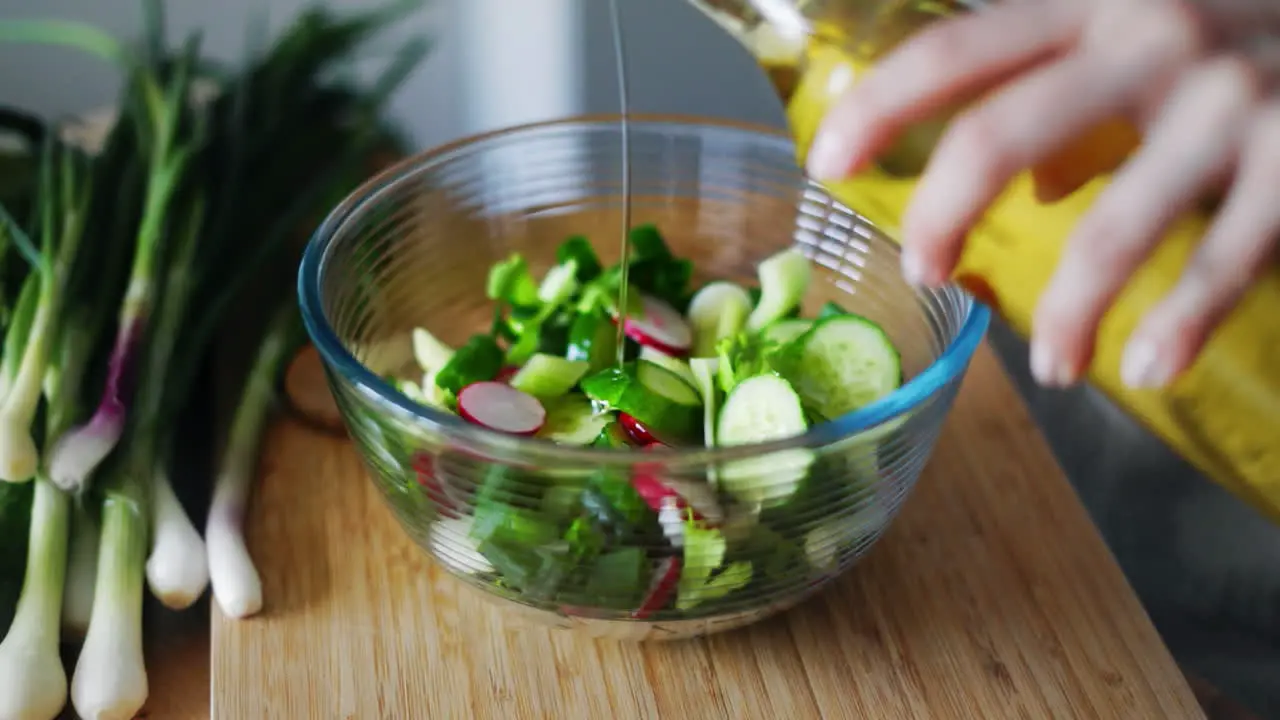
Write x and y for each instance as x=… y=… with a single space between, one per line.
x=116 y=275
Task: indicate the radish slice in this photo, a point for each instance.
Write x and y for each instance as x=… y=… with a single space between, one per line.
x=506 y=373
x=655 y=490
x=425 y=467
x=660 y=326
x=501 y=407
x=638 y=433
x=665 y=577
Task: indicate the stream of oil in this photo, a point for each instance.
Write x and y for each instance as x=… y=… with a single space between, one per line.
x=624 y=109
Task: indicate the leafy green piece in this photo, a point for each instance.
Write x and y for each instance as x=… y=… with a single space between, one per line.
x=746 y=355
x=619 y=578
x=647 y=243
x=704 y=552
x=578 y=249
x=617 y=509
x=478 y=360
x=510 y=281
x=829 y=309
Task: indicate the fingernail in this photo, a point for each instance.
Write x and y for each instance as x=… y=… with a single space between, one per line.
x=912 y=268
x=828 y=158
x=1143 y=366
x=1048 y=368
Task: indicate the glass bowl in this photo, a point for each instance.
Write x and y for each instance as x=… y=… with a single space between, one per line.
x=412 y=248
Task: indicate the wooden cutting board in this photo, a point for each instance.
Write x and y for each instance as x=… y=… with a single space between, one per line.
x=992 y=596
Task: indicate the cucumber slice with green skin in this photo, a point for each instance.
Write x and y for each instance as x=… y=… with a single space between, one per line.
x=593 y=338
x=760 y=409
x=656 y=397
x=784 y=278
x=667 y=384
x=571 y=420
x=430 y=353
x=843 y=363
x=667 y=362
x=822 y=544
x=717 y=311
x=784 y=331
x=549 y=376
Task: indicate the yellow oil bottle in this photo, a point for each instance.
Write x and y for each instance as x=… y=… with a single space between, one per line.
x=1223 y=414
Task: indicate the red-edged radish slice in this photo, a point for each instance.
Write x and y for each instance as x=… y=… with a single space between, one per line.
x=665 y=577
x=638 y=433
x=653 y=491
x=659 y=326
x=506 y=373
x=653 y=488
x=501 y=407
x=425 y=468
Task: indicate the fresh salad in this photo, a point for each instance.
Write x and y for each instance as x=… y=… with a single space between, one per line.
x=720 y=366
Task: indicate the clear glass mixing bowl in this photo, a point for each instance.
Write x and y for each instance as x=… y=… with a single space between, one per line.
x=413 y=246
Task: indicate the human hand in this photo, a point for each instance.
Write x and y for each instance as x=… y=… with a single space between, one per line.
x=1201 y=78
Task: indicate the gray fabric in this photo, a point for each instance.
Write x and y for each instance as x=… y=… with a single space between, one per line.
x=1206 y=566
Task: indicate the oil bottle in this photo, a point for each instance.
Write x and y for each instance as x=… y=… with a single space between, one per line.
x=1223 y=414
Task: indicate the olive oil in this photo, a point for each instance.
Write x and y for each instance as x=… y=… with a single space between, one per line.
x=1223 y=414
x=624 y=111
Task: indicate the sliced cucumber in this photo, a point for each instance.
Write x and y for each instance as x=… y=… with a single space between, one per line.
x=452 y=542
x=784 y=331
x=657 y=398
x=668 y=362
x=667 y=384
x=760 y=409
x=549 y=376
x=571 y=420
x=822 y=544
x=430 y=353
x=593 y=338
x=844 y=362
x=717 y=311
x=784 y=278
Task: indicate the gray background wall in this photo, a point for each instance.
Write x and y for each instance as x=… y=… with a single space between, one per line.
x=495 y=61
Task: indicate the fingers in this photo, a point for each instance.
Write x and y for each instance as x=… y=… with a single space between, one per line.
x=1028 y=121
x=1240 y=245
x=1193 y=142
x=936 y=68
x=986 y=147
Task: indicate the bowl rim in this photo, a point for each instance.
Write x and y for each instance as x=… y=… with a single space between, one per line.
x=947 y=367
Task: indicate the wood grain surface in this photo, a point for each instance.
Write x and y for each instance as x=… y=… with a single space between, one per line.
x=992 y=596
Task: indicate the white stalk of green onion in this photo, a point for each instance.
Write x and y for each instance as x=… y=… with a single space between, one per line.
x=236 y=584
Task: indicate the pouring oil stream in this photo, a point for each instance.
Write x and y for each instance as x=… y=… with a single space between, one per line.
x=620 y=63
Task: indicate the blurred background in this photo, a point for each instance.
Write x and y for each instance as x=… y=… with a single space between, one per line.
x=1206 y=567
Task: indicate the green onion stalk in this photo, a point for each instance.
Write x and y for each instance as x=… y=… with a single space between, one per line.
x=33 y=682
x=63 y=207
x=237 y=586
x=110 y=678
x=77 y=453
x=115 y=217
